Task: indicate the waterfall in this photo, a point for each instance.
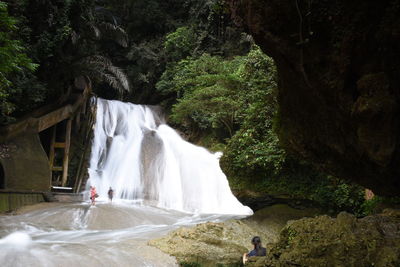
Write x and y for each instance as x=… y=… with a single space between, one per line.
x=141 y=157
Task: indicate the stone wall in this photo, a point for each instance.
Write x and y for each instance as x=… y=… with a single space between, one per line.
x=25 y=164
x=10 y=201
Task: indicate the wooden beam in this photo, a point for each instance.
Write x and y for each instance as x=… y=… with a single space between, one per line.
x=59 y=145
x=47 y=116
x=66 y=152
x=54 y=117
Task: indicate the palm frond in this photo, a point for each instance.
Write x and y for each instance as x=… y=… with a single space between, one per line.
x=102 y=69
x=114 y=32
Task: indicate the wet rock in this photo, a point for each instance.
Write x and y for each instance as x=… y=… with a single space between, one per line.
x=208 y=242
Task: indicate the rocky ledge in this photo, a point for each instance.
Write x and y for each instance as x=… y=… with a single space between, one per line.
x=319 y=241
x=224 y=243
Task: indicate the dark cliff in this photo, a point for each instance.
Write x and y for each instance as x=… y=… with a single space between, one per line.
x=339 y=80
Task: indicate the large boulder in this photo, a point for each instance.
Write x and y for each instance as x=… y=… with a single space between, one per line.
x=208 y=243
x=339 y=82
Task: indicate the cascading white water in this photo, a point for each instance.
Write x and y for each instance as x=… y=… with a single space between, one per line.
x=141 y=157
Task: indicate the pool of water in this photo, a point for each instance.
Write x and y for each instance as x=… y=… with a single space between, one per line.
x=83 y=235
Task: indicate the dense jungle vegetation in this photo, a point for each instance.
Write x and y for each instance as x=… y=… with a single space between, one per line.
x=215 y=84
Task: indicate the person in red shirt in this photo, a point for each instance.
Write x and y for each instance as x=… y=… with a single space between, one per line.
x=93 y=195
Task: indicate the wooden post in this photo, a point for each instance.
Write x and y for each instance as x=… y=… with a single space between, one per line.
x=80 y=173
x=77 y=122
x=88 y=131
x=66 y=152
x=52 y=142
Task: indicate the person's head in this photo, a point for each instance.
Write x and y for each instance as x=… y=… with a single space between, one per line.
x=256 y=241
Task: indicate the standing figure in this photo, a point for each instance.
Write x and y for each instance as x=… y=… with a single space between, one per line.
x=257 y=251
x=93 y=195
x=110 y=194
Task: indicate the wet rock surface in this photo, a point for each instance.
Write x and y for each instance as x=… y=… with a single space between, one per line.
x=208 y=243
x=339 y=82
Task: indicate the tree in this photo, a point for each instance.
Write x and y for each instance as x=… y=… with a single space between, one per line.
x=206 y=89
x=14 y=63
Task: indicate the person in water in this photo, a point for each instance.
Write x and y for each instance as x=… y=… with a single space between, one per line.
x=257 y=251
x=110 y=194
x=93 y=195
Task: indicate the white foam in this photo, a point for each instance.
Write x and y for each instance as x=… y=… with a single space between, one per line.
x=17 y=240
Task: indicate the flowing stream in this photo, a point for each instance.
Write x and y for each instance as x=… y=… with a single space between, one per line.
x=160 y=182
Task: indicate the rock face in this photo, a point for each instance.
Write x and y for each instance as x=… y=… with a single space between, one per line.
x=344 y=241
x=224 y=243
x=339 y=82
x=208 y=243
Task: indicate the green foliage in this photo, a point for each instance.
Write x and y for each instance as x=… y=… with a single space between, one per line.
x=378 y=203
x=67 y=39
x=40 y=31
x=214 y=94
x=162 y=33
x=207 y=86
x=291 y=234
x=118 y=43
x=339 y=195
x=180 y=44
x=369 y=206
x=254 y=146
x=16 y=70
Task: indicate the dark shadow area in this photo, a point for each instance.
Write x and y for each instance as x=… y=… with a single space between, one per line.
x=2 y=178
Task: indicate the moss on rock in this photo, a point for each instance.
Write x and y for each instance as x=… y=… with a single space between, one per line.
x=224 y=243
x=208 y=243
x=320 y=241
x=342 y=241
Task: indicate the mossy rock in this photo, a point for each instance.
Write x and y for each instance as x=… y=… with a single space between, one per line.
x=342 y=241
x=210 y=244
